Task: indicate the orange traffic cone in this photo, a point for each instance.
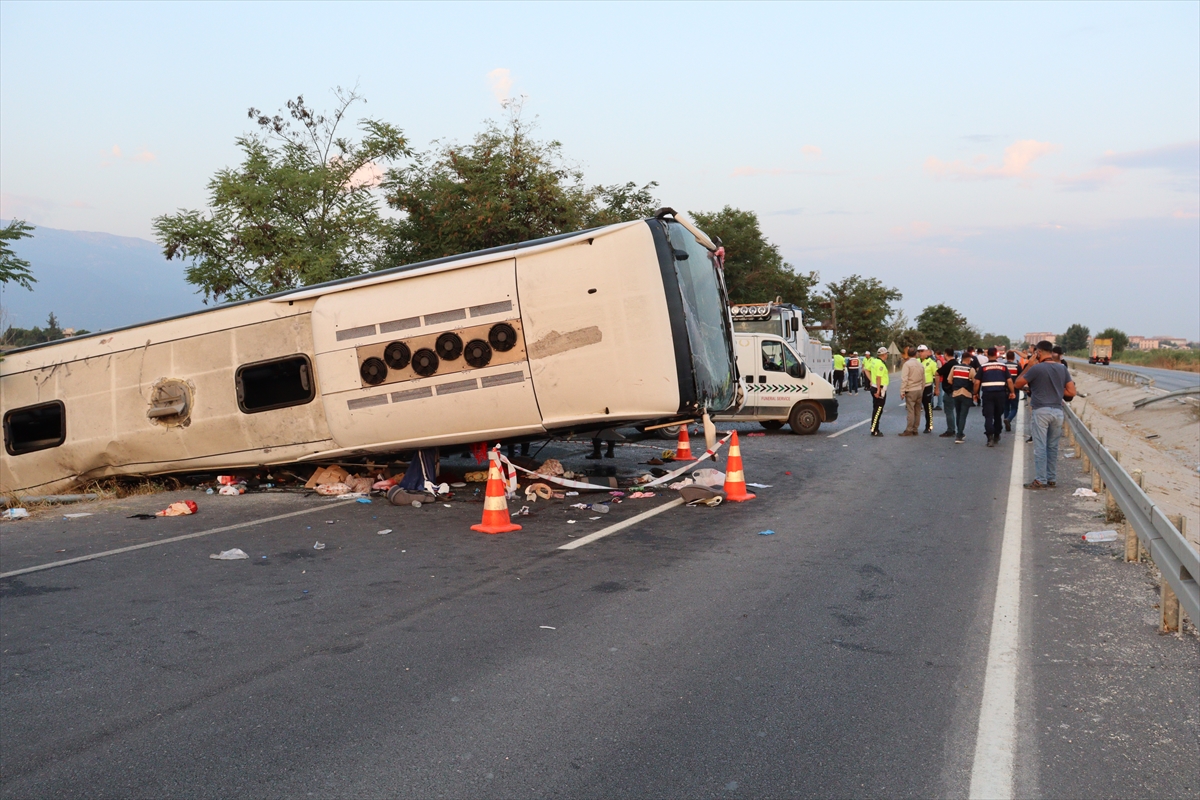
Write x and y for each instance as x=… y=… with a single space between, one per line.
x=683 y=450
x=735 y=479
x=495 y=506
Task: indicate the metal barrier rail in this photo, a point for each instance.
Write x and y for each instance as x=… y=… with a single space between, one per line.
x=1175 y=557
x=1114 y=374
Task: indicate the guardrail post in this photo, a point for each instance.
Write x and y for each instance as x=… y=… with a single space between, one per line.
x=1168 y=603
x=1112 y=511
x=1132 y=546
x=1097 y=483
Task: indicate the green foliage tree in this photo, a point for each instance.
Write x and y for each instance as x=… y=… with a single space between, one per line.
x=301 y=209
x=13 y=269
x=863 y=307
x=1119 y=339
x=943 y=327
x=755 y=271
x=23 y=337
x=1076 y=338
x=998 y=340
x=506 y=186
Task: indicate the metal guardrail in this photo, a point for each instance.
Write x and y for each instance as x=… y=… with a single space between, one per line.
x=1178 y=393
x=1176 y=558
x=1114 y=374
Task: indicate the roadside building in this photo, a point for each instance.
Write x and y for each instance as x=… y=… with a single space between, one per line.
x=1034 y=338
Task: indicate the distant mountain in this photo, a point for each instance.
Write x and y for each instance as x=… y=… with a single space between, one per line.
x=96 y=281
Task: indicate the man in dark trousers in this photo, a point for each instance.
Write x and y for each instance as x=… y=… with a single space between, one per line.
x=1014 y=369
x=993 y=389
x=949 y=402
x=853 y=364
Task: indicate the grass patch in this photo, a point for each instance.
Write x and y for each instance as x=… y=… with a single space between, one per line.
x=1183 y=360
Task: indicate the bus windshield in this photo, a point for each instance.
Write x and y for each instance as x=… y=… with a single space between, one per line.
x=707 y=316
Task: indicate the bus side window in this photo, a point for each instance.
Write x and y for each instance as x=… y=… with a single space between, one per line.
x=33 y=428
x=772 y=356
x=278 y=383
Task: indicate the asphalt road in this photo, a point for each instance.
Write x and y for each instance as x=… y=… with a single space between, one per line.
x=686 y=656
x=1167 y=379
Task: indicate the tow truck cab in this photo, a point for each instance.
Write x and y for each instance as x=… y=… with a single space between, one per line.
x=780 y=386
x=786 y=321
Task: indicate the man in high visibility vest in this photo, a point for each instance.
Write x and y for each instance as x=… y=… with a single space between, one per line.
x=853 y=364
x=930 y=365
x=839 y=371
x=878 y=375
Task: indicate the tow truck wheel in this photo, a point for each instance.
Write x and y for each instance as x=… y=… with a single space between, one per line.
x=772 y=424
x=805 y=419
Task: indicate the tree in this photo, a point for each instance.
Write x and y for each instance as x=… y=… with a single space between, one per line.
x=1119 y=340
x=1076 y=338
x=301 y=208
x=506 y=186
x=943 y=327
x=755 y=271
x=23 y=337
x=863 y=307
x=13 y=269
x=997 y=340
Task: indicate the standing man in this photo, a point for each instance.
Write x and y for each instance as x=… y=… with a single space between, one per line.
x=912 y=389
x=949 y=362
x=852 y=367
x=993 y=388
x=1014 y=369
x=1049 y=385
x=839 y=371
x=962 y=388
x=877 y=374
x=930 y=365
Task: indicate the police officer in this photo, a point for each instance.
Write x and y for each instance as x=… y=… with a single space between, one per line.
x=931 y=367
x=852 y=368
x=993 y=388
x=1014 y=369
x=961 y=375
x=839 y=371
x=877 y=373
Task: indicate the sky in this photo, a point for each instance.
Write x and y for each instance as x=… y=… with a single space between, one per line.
x=1031 y=165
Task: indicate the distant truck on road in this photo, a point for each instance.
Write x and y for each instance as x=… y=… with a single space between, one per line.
x=1101 y=351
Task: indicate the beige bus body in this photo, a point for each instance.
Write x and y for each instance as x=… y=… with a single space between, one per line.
x=593 y=346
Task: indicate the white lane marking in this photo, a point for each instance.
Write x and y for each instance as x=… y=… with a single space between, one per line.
x=996 y=739
x=847 y=430
x=157 y=542
x=600 y=534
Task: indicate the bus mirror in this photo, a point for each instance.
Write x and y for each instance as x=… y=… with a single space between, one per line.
x=803 y=370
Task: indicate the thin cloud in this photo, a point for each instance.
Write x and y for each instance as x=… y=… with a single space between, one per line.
x=1181 y=161
x=500 y=82
x=1018 y=159
x=811 y=151
x=743 y=172
x=786 y=212
x=982 y=138
x=1088 y=181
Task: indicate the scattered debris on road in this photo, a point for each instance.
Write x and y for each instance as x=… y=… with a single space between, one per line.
x=235 y=554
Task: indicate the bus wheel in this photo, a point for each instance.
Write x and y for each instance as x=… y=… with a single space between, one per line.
x=772 y=424
x=670 y=432
x=805 y=419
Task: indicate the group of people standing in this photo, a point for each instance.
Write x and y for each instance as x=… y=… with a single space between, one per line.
x=978 y=378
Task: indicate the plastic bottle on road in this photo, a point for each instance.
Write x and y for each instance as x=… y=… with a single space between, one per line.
x=1100 y=536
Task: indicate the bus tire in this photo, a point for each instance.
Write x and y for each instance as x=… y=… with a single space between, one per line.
x=670 y=432
x=805 y=419
x=772 y=424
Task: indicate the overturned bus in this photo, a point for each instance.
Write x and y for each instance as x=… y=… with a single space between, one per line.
x=625 y=324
